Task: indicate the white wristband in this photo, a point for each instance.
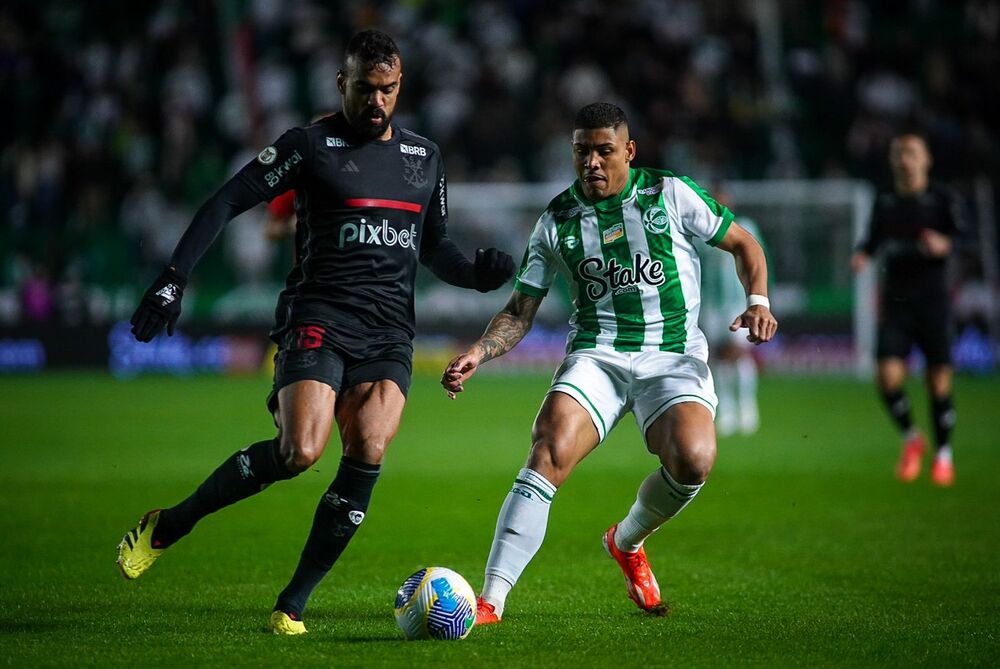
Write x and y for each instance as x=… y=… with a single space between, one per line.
x=754 y=300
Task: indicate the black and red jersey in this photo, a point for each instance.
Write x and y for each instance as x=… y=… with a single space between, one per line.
x=367 y=211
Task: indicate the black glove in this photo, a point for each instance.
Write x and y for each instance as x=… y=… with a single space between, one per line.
x=493 y=268
x=161 y=305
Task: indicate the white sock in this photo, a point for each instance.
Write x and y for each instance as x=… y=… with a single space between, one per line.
x=519 y=534
x=660 y=498
x=727 y=419
x=746 y=373
x=944 y=453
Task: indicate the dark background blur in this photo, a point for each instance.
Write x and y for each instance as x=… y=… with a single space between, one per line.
x=119 y=118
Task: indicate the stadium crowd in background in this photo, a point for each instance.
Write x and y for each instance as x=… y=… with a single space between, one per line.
x=116 y=125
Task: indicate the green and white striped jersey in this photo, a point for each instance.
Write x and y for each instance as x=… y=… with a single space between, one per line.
x=630 y=262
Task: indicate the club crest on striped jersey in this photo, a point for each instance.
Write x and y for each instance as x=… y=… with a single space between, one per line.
x=655 y=220
x=614 y=233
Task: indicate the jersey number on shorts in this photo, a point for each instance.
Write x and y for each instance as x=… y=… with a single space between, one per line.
x=309 y=336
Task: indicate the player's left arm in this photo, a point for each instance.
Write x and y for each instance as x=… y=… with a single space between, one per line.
x=751 y=267
x=491 y=268
x=503 y=333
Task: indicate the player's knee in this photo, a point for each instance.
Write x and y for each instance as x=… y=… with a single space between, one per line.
x=366 y=448
x=300 y=453
x=692 y=462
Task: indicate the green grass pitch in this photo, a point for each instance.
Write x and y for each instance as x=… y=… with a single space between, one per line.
x=801 y=550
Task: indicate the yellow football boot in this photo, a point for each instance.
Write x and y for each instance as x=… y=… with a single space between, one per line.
x=135 y=552
x=285 y=625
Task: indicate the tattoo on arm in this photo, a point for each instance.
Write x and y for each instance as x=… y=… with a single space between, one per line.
x=508 y=327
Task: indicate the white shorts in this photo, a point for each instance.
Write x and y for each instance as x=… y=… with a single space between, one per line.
x=609 y=383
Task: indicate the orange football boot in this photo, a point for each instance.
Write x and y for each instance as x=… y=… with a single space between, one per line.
x=910 y=459
x=486 y=613
x=639 y=580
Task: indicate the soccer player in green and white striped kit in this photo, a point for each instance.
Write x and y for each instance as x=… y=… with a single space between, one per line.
x=624 y=239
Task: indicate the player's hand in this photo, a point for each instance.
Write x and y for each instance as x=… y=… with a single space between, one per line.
x=760 y=323
x=492 y=269
x=161 y=305
x=859 y=261
x=458 y=371
x=933 y=244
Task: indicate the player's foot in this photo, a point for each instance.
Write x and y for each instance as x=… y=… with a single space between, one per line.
x=943 y=472
x=486 y=613
x=285 y=624
x=910 y=459
x=639 y=580
x=135 y=552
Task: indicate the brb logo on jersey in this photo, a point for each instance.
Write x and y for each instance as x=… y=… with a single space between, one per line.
x=364 y=232
x=617 y=279
x=413 y=150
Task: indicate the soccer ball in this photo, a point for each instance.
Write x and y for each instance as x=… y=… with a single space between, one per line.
x=436 y=603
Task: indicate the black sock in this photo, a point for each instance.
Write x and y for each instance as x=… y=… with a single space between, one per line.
x=899 y=409
x=243 y=474
x=944 y=420
x=338 y=516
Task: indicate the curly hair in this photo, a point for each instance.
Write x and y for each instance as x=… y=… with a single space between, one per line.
x=372 y=48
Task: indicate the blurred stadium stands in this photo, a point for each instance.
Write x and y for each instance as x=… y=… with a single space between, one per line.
x=119 y=118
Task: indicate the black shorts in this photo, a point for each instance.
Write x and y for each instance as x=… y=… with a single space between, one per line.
x=318 y=353
x=904 y=323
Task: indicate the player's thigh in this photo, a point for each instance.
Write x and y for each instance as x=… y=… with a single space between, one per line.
x=306 y=419
x=368 y=415
x=563 y=434
x=663 y=380
x=933 y=333
x=308 y=373
x=376 y=380
x=684 y=439
x=895 y=332
x=599 y=382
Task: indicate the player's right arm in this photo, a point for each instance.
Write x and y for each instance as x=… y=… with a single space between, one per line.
x=511 y=323
x=275 y=170
x=870 y=244
x=503 y=333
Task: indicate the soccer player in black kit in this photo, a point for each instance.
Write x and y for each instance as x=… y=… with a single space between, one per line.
x=370 y=200
x=913 y=229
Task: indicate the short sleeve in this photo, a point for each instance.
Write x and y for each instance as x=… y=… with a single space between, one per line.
x=537 y=270
x=699 y=214
x=278 y=167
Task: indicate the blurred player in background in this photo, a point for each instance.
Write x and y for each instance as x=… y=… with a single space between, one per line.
x=623 y=239
x=733 y=366
x=912 y=230
x=371 y=200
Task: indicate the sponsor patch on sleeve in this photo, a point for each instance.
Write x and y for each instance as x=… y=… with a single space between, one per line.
x=267 y=156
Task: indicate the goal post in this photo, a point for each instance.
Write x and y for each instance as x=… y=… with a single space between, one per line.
x=809 y=227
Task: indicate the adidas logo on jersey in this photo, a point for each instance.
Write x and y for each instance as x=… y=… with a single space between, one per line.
x=349 y=166
x=364 y=232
